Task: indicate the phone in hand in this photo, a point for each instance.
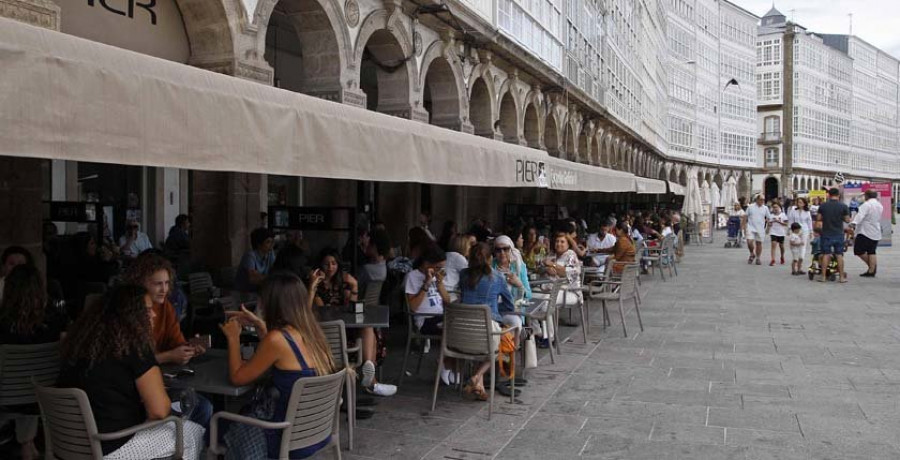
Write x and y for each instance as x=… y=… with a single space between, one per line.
x=204 y=341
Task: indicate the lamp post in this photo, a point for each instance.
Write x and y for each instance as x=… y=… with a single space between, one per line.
x=732 y=82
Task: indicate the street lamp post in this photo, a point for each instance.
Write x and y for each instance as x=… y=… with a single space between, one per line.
x=732 y=82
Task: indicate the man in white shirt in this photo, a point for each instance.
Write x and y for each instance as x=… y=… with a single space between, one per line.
x=757 y=216
x=598 y=241
x=134 y=241
x=867 y=225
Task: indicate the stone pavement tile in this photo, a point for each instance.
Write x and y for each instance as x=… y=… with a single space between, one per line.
x=455 y=410
x=812 y=408
x=687 y=434
x=793 y=453
x=755 y=348
x=709 y=374
x=565 y=363
x=707 y=452
x=435 y=428
x=779 y=377
x=634 y=428
x=648 y=383
x=849 y=450
x=587 y=387
x=758 y=419
x=843 y=430
x=485 y=436
x=564 y=406
x=693 y=363
x=750 y=389
x=665 y=396
x=764 y=438
x=539 y=442
x=458 y=452
x=389 y=445
x=613 y=448
x=669 y=413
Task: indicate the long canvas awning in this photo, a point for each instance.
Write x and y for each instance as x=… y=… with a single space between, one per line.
x=63 y=97
x=675 y=188
x=646 y=186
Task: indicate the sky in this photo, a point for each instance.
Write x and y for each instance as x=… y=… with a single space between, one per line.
x=875 y=21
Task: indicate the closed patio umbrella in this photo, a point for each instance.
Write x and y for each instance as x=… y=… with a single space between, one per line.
x=715 y=196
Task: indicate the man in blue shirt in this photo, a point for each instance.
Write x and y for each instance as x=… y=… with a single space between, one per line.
x=832 y=216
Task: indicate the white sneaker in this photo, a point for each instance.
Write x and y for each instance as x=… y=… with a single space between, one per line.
x=449 y=377
x=383 y=389
x=368 y=374
x=427 y=347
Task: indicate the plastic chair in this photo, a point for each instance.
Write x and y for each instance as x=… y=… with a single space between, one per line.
x=624 y=289
x=655 y=258
x=469 y=336
x=580 y=304
x=70 y=431
x=413 y=333
x=372 y=296
x=336 y=335
x=312 y=416
x=548 y=314
x=20 y=365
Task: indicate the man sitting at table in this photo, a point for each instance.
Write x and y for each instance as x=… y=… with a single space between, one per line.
x=597 y=242
x=154 y=273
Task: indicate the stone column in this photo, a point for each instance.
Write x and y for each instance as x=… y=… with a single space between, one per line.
x=21 y=179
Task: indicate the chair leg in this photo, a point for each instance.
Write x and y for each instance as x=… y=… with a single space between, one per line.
x=419 y=364
x=493 y=382
x=437 y=379
x=549 y=342
x=405 y=359
x=337 y=451
x=351 y=408
x=637 y=309
x=556 y=332
x=584 y=324
x=622 y=315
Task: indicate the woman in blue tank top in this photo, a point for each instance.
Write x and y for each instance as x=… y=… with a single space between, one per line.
x=292 y=346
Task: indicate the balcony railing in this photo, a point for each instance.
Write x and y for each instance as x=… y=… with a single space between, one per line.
x=770 y=137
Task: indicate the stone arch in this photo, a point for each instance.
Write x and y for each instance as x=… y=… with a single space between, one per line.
x=816 y=184
x=673 y=175
x=305 y=43
x=443 y=89
x=743 y=187
x=209 y=29
x=551 y=135
x=796 y=183
x=532 y=125
x=509 y=118
x=683 y=178
x=481 y=107
x=662 y=175
x=719 y=179
x=384 y=57
x=597 y=147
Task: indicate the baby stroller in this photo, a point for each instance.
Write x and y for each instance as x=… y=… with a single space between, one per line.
x=815 y=268
x=735 y=233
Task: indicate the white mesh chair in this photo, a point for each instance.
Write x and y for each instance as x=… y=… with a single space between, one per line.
x=469 y=336
x=548 y=314
x=70 y=431
x=625 y=288
x=372 y=296
x=20 y=367
x=336 y=335
x=312 y=416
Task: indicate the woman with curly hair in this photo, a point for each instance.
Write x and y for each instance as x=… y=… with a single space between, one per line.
x=26 y=317
x=109 y=355
x=292 y=346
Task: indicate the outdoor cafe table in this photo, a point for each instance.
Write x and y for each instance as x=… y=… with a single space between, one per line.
x=210 y=375
x=374 y=316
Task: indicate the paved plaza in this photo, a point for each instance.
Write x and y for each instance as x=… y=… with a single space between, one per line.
x=736 y=362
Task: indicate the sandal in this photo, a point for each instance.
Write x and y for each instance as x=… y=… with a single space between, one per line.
x=476 y=390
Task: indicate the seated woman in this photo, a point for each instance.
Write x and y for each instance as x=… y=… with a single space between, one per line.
x=564 y=264
x=427 y=294
x=293 y=346
x=337 y=289
x=457 y=261
x=532 y=247
x=26 y=318
x=481 y=285
x=624 y=251
x=108 y=354
x=508 y=262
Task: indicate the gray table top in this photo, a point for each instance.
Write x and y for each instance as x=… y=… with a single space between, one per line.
x=529 y=306
x=377 y=316
x=210 y=375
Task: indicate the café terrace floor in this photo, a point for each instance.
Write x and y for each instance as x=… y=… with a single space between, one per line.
x=736 y=362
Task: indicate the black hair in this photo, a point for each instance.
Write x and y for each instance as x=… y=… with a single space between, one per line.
x=13 y=250
x=833 y=191
x=871 y=194
x=796 y=226
x=181 y=219
x=382 y=242
x=259 y=236
x=431 y=254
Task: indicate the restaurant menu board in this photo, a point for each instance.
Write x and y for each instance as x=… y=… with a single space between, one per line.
x=884 y=197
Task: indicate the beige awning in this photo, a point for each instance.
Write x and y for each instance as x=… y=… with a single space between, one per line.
x=675 y=188
x=63 y=97
x=647 y=186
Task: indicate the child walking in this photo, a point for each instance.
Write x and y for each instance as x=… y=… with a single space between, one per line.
x=778 y=224
x=798 y=248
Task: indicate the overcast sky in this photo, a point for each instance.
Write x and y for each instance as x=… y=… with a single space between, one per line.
x=875 y=21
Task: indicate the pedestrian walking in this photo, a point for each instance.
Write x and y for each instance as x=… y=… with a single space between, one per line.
x=832 y=216
x=757 y=217
x=867 y=225
x=778 y=225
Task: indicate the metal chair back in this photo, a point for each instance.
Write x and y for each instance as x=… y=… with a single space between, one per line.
x=69 y=426
x=372 y=295
x=313 y=410
x=467 y=329
x=21 y=366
